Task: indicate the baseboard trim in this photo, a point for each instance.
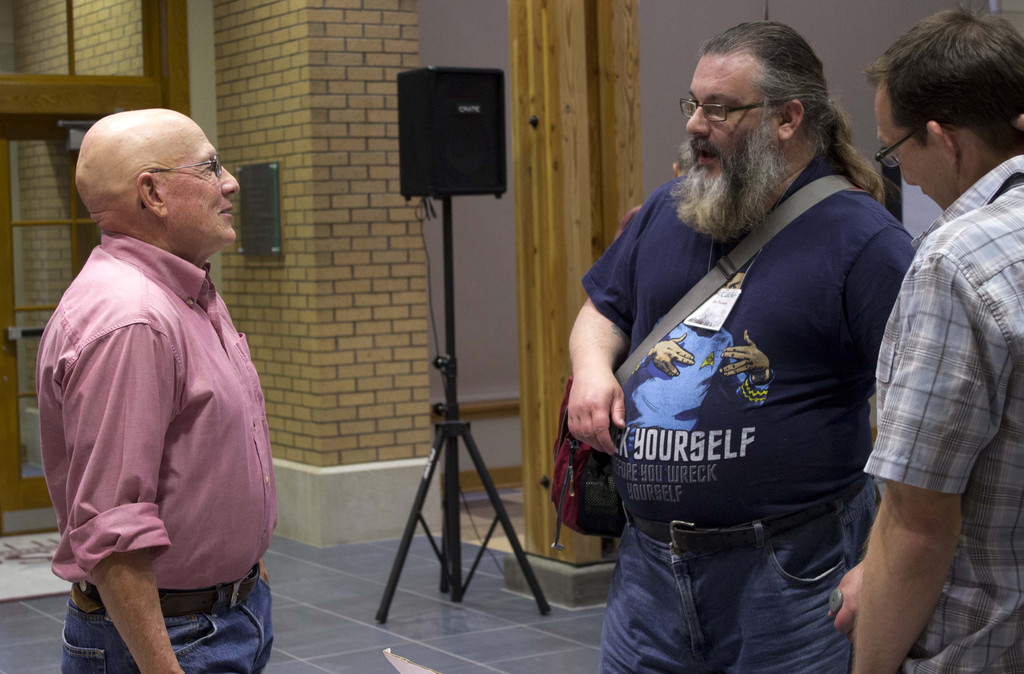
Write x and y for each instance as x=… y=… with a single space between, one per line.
x=325 y=506
x=503 y=477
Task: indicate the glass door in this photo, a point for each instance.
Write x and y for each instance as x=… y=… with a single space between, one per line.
x=47 y=235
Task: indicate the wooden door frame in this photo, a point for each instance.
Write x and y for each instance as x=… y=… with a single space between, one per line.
x=30 y=105
x=11 y=481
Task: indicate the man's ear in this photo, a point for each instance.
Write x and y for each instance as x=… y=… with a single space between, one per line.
x=947 y=137
x=791 y=116
x=150 y=195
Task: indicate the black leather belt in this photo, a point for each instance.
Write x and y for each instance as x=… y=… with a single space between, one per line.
x=178 y=602
x=685 y=537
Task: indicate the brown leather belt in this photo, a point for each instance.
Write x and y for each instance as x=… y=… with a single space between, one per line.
x=685 y=537
x=173 y=603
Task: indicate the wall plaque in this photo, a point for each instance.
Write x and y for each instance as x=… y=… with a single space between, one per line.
x=260 y=192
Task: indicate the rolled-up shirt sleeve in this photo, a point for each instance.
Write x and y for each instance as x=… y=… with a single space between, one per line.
x=120 y=393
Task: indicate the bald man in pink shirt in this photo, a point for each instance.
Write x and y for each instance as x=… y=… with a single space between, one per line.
x=154 y=432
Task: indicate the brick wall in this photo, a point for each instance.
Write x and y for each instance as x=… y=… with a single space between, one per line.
x=337 y=323
x=108 y=37
x=40 y=37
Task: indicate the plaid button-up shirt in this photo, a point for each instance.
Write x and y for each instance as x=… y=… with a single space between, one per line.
x=951 y=416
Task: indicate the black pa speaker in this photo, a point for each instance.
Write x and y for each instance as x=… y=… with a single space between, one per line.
x=451 y=131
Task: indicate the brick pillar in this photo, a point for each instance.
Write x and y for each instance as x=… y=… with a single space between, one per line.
x=337 y=323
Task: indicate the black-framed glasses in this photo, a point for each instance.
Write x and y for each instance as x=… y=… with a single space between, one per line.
x=214 y=165
x=886 y=157
x=713 y=112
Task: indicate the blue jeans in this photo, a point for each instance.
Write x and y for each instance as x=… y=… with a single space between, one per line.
x=760 y=609
x=225 y=640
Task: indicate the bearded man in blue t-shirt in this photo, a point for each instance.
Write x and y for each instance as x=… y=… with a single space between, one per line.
x=747 y=425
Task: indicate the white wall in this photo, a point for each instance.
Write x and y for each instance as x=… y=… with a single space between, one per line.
x=471 y=33
x=202 y=75
x=202 y=82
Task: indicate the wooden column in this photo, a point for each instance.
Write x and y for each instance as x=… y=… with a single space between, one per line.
x=576 y=159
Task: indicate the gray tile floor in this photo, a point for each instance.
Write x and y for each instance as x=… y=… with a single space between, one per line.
x=325 y=603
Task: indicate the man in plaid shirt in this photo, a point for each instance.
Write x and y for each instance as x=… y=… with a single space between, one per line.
x=941 y=588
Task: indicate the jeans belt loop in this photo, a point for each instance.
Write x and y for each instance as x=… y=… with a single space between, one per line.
x=253 y=575
x=759 y=532
x=234 y=592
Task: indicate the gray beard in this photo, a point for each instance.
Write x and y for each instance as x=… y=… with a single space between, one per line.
x=727 y=206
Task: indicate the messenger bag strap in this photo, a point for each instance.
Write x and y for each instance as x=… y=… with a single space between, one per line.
x=728 y=265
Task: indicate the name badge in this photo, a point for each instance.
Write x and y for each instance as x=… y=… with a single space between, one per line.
x=712 y=314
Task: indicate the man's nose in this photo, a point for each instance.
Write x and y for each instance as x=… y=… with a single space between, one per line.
x=697 y=125
x=228 y=184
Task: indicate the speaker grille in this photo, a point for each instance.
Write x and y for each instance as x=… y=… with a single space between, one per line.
x=451 y=131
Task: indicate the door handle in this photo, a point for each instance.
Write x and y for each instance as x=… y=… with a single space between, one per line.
x=14 y=334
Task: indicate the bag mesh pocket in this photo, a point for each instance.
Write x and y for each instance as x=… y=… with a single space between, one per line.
x=601 y=507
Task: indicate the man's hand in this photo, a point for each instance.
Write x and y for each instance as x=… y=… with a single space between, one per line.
x=596 y=403
x=911 y=547
x=747 y=359
x=665 y=354
x=847 y=615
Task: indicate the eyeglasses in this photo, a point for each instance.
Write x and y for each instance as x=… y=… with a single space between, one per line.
x=713 y=112
x=214 y=165
x=886 y=157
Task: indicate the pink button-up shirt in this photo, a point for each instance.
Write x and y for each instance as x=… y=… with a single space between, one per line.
x=154 y=430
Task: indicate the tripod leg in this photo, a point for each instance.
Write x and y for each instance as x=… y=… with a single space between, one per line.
x=410 y=527
x=499 y=510
x=452 y=543
x=442 y=442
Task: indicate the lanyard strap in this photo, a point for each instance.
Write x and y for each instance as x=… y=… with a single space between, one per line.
x=729 y=264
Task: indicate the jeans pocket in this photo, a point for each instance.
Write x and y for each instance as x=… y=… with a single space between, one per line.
x=78 y=660
x=810 y=553
x=189 y=632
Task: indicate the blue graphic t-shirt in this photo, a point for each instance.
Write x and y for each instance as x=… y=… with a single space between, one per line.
x=769 y=414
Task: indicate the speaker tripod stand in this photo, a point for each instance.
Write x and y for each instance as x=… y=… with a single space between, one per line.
x=446 y=443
